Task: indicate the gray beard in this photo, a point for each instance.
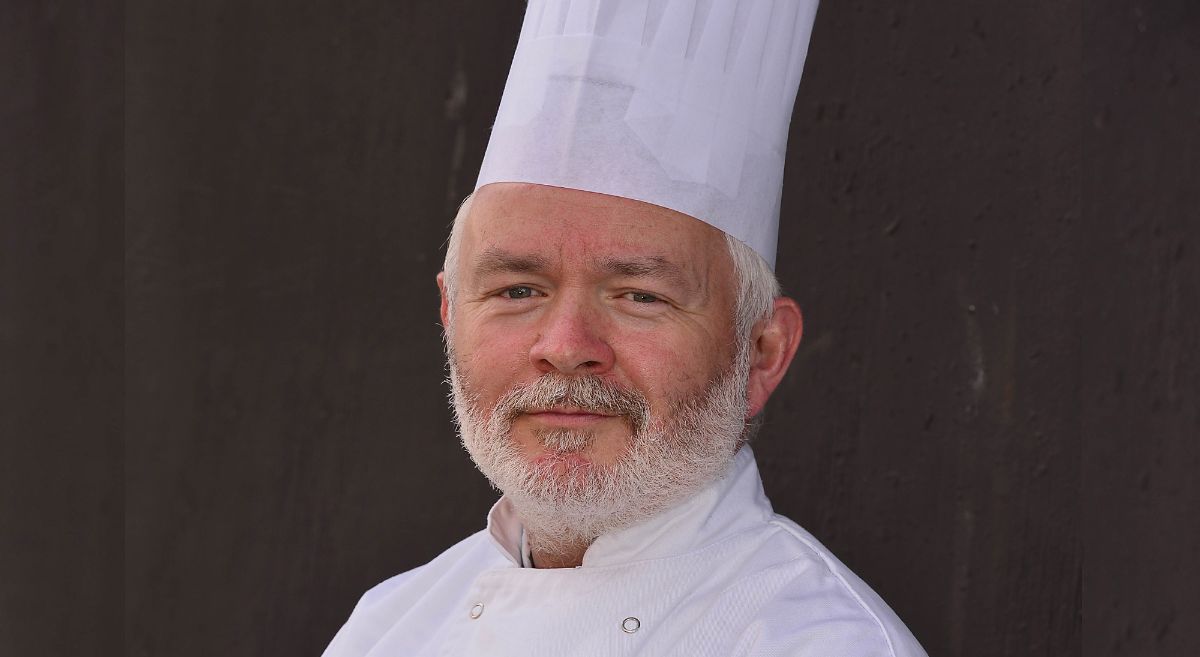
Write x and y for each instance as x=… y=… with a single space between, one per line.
x=669 y=458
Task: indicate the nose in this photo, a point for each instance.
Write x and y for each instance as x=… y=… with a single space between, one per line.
x=571 y=339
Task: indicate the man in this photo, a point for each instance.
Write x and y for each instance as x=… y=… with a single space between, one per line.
x=613 y=327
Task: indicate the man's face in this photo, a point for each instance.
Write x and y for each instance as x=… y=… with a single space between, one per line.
x=592 y=343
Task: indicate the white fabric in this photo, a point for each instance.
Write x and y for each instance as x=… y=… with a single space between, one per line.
x=720 y=575
x=680 y=103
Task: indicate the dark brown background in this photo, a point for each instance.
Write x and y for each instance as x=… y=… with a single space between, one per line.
x=990 y=221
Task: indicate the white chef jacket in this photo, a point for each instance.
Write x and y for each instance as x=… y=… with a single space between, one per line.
x=719 y=575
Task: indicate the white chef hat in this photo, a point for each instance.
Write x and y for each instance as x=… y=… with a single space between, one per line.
x=680 y=103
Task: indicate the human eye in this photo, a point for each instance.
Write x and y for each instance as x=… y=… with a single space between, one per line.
x=642 y=297
x=519 y=292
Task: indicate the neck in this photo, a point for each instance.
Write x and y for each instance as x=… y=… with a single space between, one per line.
x=564 y=556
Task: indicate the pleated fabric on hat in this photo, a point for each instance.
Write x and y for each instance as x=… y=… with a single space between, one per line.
x=680 y=103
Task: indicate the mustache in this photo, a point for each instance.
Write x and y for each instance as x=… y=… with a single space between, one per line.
x=586 y=392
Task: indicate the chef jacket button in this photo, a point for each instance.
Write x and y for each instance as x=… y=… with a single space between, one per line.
x=477 y=610
x=631 y=625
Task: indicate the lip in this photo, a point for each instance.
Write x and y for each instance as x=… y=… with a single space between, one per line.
x=567 y=416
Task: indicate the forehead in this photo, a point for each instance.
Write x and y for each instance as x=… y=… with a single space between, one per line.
x=572 y=227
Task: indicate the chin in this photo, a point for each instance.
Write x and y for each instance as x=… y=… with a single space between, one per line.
x=561 y=463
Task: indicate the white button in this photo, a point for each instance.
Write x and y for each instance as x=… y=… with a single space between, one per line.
x=477 y=610
x=631 y=625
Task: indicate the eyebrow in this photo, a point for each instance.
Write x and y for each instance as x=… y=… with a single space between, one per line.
x=647 y=267
x=494 y=260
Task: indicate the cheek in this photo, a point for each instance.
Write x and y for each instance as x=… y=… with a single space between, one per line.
x=663 y=368
x=494 y=359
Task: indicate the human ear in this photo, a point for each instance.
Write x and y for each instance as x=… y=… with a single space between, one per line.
x=445 y=308
x=773 y=344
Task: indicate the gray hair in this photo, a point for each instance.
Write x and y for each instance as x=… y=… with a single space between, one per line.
x=757 y=286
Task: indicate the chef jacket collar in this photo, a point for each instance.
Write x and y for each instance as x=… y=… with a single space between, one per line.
x=732 y=504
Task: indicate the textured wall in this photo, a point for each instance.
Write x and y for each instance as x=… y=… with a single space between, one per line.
x=1140 y=400
x=927 y=430
x=990 y=222
x=60 y=328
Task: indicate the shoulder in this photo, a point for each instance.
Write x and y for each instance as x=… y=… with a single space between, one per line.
x=468 y=555
x=419 y=598
x=818 y=605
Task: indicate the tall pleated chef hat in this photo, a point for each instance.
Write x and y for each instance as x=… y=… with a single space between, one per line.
x=680 y=103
